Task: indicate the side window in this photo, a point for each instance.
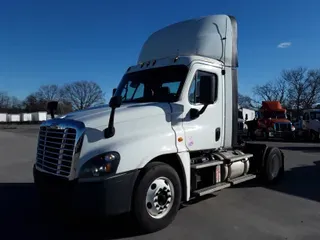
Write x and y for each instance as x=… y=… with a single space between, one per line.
x=194 y=90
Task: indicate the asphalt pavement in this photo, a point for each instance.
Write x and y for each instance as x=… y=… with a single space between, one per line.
x=289 y=210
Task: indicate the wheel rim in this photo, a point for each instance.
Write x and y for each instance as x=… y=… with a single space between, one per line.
x=274 y=166
x=159 y=199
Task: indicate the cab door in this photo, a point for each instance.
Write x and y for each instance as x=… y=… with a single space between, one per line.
x=205 y=131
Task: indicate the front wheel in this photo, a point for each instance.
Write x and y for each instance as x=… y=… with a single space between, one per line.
x=157 y=197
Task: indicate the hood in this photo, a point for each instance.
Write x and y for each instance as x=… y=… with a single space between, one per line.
x=99 y=116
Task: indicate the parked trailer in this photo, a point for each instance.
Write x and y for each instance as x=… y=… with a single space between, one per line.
x=3 y=117
x=39 y=116
x=13 y=118
x=26 y=117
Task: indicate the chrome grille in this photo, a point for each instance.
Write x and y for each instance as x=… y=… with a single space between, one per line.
x=56 y=149
x=282 y=127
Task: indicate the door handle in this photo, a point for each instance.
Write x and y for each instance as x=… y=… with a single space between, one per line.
x=217 y=134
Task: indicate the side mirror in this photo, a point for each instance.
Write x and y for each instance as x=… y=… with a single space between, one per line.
x=114 y=91
x=52 y=106
x=207 y=90
x=115 y=101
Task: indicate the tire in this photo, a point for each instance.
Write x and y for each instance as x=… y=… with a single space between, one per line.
x=273 y=170
x=157 y=177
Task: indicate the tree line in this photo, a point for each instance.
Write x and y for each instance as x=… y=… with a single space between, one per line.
x=296 y=89
x=73 y=96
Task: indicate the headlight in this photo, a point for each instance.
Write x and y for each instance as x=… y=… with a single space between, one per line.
x=101 y=165
x=293 y=128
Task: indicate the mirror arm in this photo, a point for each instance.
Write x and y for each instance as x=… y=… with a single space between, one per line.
x=195 y=113
x=203 y=109
x=110 y=131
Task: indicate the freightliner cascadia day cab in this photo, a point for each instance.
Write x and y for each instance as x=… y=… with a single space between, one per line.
x=168 y=135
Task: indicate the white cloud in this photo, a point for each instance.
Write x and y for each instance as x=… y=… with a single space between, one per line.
x=284 y=45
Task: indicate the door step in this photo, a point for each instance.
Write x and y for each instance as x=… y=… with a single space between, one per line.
x=206 y=164
x=222 y=185
x=242 y=179
x=211 y=189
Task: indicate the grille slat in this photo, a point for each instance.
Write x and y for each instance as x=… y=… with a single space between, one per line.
x=65 y=149
x=52 y=158
x=55 y=150
x=56 y=132
x=64 y=154
x=54 y=164
x=54 y=170
x=67 y=144
x=70 y=139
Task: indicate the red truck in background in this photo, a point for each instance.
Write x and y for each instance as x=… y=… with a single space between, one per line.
x=272 y=122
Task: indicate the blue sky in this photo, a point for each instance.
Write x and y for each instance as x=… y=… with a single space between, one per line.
x=44 y=42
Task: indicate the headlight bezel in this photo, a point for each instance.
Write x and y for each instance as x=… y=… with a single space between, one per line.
x=102 y=165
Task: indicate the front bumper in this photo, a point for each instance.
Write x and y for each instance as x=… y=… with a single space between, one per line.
x=279 y=134
x=108 y=196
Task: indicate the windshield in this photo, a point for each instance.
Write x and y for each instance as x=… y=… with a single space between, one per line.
x=153 y=85
x=275 y=114
x=315 y=115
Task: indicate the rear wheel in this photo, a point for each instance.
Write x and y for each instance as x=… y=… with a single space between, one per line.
x=274 y=166
x=157 y=197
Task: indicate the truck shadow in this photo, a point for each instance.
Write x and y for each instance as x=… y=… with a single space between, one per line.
x=21 y=219
x=309 y=149
x=302 y=181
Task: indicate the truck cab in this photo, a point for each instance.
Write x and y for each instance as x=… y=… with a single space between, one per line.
x=168 y=135
x=273 y=122
x=309 y=124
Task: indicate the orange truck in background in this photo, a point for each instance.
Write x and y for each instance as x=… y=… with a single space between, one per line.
x=272 y=122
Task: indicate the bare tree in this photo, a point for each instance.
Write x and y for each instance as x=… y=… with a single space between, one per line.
x=33 y=104
x=83 y=94
x=303 y=87
x=246 y=101
x=48 y=92
x=272 y=91
x=15 y=105
x=296 y=88
x=4 y=101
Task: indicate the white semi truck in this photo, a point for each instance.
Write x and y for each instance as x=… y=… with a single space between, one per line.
x=308 y=126
x=169 y=134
